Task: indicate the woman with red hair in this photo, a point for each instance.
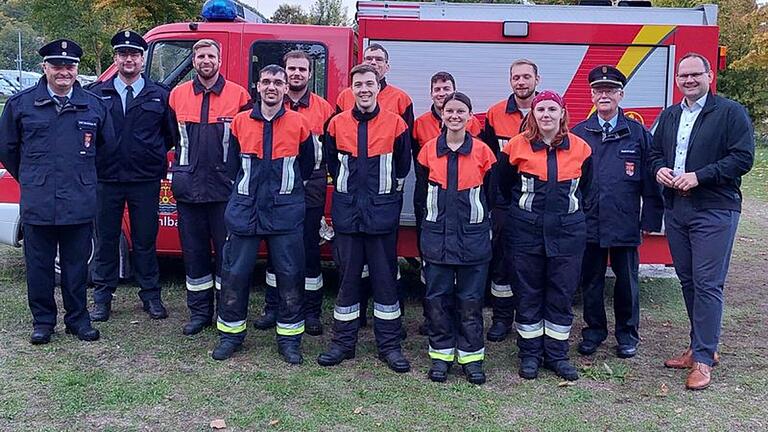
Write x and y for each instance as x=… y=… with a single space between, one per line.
x=545 y=172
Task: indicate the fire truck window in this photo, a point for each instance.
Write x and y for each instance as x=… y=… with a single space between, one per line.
x=170 y=62
x=270 y=52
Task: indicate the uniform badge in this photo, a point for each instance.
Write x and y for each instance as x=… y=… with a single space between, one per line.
x=87 y=139
x=629 y=168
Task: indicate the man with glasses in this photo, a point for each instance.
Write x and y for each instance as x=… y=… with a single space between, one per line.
x=620 y=147
x=131 y=175
x=701 y=149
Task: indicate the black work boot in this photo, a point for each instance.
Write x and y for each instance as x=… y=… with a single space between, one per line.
x=266 y=321
x=195 y=326
x=290 y=349
x=155 y=309
x=85 y=334
x=439 y=370
x=40 y=336
x=474 y=372
x=529 y=368
x=225 y=349
x=498 y=331
x=396 y=361
x=313 y=326
x=563 y=369
x=334 y=356
x=101 y=311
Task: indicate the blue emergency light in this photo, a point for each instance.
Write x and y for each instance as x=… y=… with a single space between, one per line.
x=219 y=10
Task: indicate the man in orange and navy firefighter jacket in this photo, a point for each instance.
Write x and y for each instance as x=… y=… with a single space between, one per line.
x=546 y=173
x=390 y=98
x=368 y=153
x=298 y=66
x=456 y=242
x=276 y=155
x=503 y=121
x=203 y=170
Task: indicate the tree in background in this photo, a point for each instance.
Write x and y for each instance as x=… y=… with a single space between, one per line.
x=147 y=14
x=290 y=14
x=328 y=12
x=13 y=19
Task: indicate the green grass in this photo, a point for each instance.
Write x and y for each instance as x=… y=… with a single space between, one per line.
x=755 y=183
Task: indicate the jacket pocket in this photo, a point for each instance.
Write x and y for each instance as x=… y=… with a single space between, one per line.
x=384 y=214
x=525 y=228
x=240 y=214
x=432 y=241
x=35 y=137
x=287 y=212
x=344 y=211
x=573 y=234
x=475 y=242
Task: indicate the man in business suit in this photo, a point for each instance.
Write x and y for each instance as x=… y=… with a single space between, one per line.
x=701 y=149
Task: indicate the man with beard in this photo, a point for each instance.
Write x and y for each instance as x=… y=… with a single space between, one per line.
x=620 y=147
x=276 y=154
x=131 y=175
x=701 y=148
x=50 y=136
x=426 y=128
x=203 y=170
x=368 y=154
x=298 y=66
x=503 y=121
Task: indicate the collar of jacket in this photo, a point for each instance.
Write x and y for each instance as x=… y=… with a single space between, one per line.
x=512 y=104
x=383 y=83
x=365 y=116
x=442 y=144
x=302 y=102
x=539 y=145
x=621 y=129
x=109 y=85
x=256 y=113
x=436 y=115
x=42 y=97
x=217 y=87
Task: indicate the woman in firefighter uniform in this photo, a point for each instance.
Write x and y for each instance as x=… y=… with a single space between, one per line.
x=456 y=242
x=545 y=172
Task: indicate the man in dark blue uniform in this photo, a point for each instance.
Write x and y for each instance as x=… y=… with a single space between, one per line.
x=131 y=175
x=49 y=138
x=620 y=147
x=701 y=149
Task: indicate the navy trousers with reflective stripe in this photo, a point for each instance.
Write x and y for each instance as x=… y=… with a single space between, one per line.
x=313 y=298
x=351 y=251
x=74 y=245
x=544 y=287
x=701 y=242
x=454 y=303
x=240 y=255
x=626 y=297
x=502 y=265
x=142 y=201
x=201 y=226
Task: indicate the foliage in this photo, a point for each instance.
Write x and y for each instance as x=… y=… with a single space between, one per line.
x=290 y=14
x=328 y=12
x=148 y=14
x=14 y=20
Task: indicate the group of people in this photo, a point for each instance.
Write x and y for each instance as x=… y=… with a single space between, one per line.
x=522 y=204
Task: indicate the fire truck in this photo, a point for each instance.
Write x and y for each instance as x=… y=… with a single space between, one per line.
x=474 y=42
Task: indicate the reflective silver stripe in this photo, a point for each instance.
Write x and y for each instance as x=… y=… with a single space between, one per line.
x=386 y=312
x=385 y=173
x=183 y=144
x=530 y=331
x=557 y=331
x=502 y=143
x=318 y=150
x=230 y=324
x=476 y=211
x=365 y=273
x=313 y=284
x=501 y=290
x=200 y=284
x=400 y=184
x=526 y=199
x=470 y=356
x=243 y=188
x=341 y=180
x=293 y=326
x=573 y=203
x=270 y=279
x=432 y=208
x=449 y=352
x=217 y=282
x=347 y=313
x=289 y=175
x=225 y=140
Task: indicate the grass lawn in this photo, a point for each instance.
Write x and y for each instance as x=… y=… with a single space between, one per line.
x=144 y=375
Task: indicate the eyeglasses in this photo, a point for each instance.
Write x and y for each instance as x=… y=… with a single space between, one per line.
x=125 y=55
x=277 y=83
x=690 y=75
x=605 y=91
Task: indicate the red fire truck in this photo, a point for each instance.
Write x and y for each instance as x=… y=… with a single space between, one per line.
x=475 y=42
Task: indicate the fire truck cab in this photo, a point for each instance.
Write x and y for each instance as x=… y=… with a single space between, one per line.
x=474 y=42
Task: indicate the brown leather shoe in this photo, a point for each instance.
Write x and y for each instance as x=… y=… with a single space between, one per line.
x=699 y=377
x=685 y=360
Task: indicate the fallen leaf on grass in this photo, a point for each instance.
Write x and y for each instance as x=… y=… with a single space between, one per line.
x=678 y=410
x=663 y=390
x=218 y=424
x=608 y=369
x=378 y=423
x=274 y=422
x=358 y=410
x=566 y=384
x=134 y=322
